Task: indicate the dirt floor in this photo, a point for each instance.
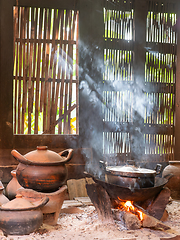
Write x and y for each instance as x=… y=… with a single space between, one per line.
x=82 y=223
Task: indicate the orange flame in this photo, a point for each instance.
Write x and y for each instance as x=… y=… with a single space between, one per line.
x=129 y=207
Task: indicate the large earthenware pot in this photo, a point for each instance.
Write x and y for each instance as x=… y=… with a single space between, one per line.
x=21 y=217
x=173 y=183
x=42 y=169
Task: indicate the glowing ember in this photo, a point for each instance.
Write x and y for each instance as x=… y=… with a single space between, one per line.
x=129 y=207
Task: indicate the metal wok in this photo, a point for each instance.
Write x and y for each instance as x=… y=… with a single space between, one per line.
x=136 y=194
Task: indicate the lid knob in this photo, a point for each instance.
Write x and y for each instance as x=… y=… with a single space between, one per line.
x=42 y=147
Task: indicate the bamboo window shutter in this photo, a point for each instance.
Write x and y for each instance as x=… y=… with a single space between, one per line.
x=45 y=71
x=159 y=78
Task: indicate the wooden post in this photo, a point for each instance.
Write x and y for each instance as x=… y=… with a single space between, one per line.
x=177 y=96
x=140 y=14
x=90 y=77
x=6 y=73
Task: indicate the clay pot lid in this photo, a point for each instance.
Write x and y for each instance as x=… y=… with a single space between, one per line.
x=22 y=204
x=18 y=203
x=43 y=155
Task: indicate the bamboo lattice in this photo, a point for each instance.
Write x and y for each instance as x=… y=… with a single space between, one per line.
x=159 y=79
x=45 y=71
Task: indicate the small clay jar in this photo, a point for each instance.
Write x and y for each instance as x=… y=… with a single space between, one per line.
x=3 y=199
x=12 y=186
x=174 y=182
x=21 y=217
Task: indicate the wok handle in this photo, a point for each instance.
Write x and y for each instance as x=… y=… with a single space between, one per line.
x=102 y=165
x=158 y=169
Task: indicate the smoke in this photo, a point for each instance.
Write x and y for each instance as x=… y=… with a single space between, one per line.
x=94 y=106
x=91 y=91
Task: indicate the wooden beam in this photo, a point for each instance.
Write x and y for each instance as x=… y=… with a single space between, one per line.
x=61 y=4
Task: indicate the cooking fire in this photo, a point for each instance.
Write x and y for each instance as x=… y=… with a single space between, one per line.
x=128 y=206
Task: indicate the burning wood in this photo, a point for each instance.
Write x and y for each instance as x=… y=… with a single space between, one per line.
x=145 y=219
x=129 y=207
x=131 y=221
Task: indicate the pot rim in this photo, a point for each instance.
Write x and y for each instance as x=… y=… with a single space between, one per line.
x=174 y=162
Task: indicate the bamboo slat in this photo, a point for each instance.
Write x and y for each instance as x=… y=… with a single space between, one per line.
x=70 y=54
x=62 y=74
x=59 y=60
x=16 y=72
x=34 y=66
x=52 y=72
x=43 y=62
x=24 y=71
x=30 y=95
x=38 y=72
x=66 y=47
x=77 y=73
x=56 y=64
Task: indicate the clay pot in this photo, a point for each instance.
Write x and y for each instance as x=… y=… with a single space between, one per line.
x=13 y=186
x=52 y=209
x=21 y=217
x=3 y=198
x=42 y=170
x=174 y=182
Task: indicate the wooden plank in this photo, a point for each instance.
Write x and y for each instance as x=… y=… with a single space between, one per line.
x=101 y=201
x=86 y=201
x=71 y=203
x=77 y=188
x=68 y=4
x=158 y=206
x=43 y=139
